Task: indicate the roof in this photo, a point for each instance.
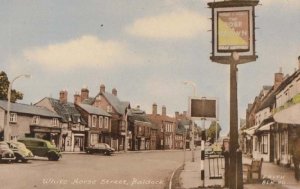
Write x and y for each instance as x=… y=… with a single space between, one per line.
x=93 y=110
x=28 y=109
x=140 y=116
x=287 y=81
x=118 y=105
x=268 y=101
x=67 y=111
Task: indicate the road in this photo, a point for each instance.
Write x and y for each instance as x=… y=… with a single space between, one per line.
x=134 y=170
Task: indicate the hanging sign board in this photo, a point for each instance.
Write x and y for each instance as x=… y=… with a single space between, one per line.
x=203 y=108
x=233 y=30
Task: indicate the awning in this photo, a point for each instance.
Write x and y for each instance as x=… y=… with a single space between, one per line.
x=290 y=115
x=251 y=130
x=265 y=127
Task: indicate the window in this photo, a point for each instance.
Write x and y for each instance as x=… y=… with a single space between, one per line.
x=106 y=122
x=264 y=144
x=94 y=121
x=100 y=122
x=109 y=108
x=54 y=122
x=13 y=118
x=35 y=120
x=94 y=139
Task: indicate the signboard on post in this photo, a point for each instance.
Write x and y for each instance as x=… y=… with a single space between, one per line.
x=233 y=31
x=203 y=108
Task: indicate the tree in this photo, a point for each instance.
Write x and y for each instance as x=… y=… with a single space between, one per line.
x=211 y=131
x=4 y=84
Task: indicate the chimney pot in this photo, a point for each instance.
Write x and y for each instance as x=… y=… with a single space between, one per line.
x=164 y=111
x=114 y=91
x=278 y=78
x=102 y=88
x=77 y=98
x=84 y=94
x=154 y=109
x=63 y=96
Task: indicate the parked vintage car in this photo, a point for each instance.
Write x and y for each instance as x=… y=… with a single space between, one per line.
x=6 y=154
x=100 y=148
x=21 y=153
x=42 y=148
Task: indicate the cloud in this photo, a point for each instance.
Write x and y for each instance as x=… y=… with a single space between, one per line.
x=86 y=51
x=181 y=24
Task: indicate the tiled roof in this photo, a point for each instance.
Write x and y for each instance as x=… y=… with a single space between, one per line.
x=28 y=109
x=118 y=105
x=89 y=101
x=67 y=111
x=93 y=110
x=287 y=81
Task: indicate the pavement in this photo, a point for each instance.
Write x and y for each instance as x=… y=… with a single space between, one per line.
x=277 y=177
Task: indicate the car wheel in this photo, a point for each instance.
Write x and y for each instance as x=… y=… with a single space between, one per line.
x=105 y=153
x=53 y=157
x=24 y=160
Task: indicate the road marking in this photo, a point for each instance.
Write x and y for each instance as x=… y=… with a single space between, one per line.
x=170 y=182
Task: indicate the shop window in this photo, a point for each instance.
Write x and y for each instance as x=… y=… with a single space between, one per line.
x=264 y=144
x=94 y=139
x=13 y=118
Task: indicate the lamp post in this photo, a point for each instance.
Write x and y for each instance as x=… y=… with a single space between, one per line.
x=7 y=128
x=193 y=136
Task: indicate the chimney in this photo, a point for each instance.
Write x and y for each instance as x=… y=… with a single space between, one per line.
x=164 y=110
x=278 y=78
x=114 y=91
x=176 y=115
x=77 y=98
x=84 y=93
x=63 y=96
x=185 y=114
x=102 y=88
x=154 y=109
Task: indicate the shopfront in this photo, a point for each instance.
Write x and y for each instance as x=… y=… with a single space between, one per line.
x=52 y=134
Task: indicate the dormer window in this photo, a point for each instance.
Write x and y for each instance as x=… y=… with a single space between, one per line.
x=36 y=120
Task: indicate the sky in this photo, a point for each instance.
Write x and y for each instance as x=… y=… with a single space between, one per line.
x=145 y=49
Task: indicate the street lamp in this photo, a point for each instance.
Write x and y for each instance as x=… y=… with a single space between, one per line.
x=191 y=83
x=7 y=128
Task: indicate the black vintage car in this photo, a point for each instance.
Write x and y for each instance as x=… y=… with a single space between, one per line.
x=100 y=148
x=6 y=154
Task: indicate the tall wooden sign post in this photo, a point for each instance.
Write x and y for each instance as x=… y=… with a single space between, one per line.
x=233 y=43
